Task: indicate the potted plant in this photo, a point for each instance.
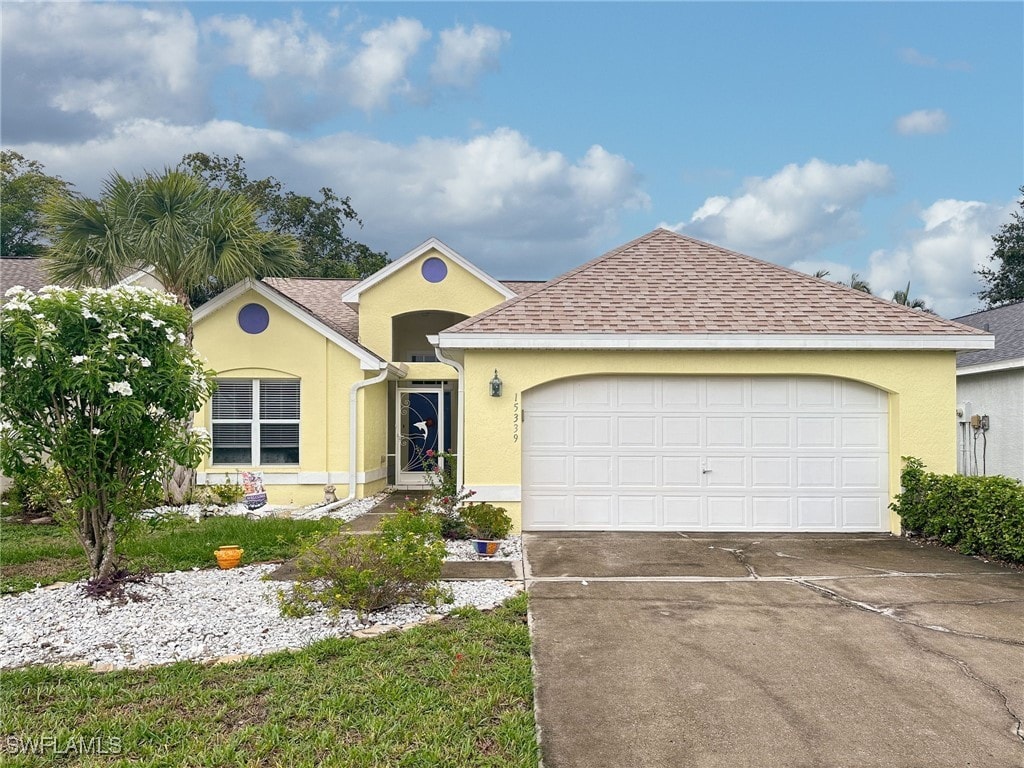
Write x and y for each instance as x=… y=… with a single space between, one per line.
x=488 y=525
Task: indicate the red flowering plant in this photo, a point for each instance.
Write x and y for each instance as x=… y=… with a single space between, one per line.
x=447 y=494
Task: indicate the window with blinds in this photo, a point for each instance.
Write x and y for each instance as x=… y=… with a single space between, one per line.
x=256 y=421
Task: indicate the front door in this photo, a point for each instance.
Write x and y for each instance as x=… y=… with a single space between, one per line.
x=420 y=421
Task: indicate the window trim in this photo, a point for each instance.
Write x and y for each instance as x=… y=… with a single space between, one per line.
x=254 y=423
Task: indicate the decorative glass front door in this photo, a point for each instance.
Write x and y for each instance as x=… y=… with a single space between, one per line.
x=421 y=422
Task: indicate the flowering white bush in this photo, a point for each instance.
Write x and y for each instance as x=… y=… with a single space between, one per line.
x=101 y=384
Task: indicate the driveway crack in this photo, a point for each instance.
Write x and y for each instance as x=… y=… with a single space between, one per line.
x=742 y=560
x=965 y=668
x=890 y=613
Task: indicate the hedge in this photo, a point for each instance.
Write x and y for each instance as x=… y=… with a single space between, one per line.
x=977 y=515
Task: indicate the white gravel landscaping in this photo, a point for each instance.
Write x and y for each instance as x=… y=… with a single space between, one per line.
x=349 y=511
x=510 y=549
x=200 y=615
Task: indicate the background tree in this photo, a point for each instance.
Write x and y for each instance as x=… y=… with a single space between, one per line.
x=101 y=384
x=1005 y=277
x=902 y=296
x=857 y=283
x=24 y=188
x=176 y=226
x=318 y=224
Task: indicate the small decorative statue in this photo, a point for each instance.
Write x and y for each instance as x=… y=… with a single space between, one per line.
x=329 y=495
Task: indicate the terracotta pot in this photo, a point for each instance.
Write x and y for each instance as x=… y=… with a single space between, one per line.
x=486 y=548
x=229 y=556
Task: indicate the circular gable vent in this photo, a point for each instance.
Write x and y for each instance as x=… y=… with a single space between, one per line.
x=434 y=270
x=253 y=318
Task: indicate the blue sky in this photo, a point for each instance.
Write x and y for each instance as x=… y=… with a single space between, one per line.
x=884 y=139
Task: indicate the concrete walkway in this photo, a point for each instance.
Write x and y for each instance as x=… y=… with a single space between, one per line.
x=774 y=650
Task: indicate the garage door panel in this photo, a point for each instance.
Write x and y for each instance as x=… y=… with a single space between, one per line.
x=726 y=393
x=639 y=431
x=593 y=510
x=637 y=471
x=726 y=472
x=816 y=512
x=728 y=512
x=680 y=431
x=705 y=453
x=862 y=512
x=770 y=432
x=592 y=431
x=812 y=472
x=592 y=471
x=550 y=431
x=816 y=432
x=725 y=432
x=540 y=471
x=770 y=472
x=638 y=511
x=633 y=393
x=681 y=471
x=861 y=472
x=771 y=512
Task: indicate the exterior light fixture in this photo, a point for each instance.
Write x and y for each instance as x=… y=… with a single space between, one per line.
x=495 y=385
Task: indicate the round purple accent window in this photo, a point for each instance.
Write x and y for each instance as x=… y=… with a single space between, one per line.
x=253 y=318
x=434 y=270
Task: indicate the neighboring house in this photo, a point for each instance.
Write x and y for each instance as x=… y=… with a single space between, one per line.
x=990 y=383
x=30 y=273
x=667 y=385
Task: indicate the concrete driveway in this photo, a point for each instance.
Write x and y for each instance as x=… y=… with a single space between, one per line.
x=775 y=650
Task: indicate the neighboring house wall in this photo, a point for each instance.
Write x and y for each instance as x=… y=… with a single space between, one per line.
x=1000 y=396
x=291 y=350
x=921 y=387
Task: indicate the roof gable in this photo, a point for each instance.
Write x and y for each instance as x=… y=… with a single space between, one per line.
x=675 y=287
x=351 y=296
x=331 y=327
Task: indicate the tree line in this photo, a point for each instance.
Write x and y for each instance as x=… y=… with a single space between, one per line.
x=199 y=226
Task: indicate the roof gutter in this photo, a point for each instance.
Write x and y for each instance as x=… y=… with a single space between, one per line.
x=716 y=341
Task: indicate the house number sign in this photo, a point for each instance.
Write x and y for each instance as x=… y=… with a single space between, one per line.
x=515 y=419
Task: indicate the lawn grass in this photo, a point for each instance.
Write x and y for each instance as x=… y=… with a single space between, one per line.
x=43 y=554
x=455 y=693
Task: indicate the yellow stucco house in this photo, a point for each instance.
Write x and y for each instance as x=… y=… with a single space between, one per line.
x=667 y=385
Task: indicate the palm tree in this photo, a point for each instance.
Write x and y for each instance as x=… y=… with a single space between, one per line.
x=903 y=297
x=858 y=284
x=175 y=226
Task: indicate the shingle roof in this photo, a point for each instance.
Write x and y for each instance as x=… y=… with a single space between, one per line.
x=666 y=283
x=321 y=297
x=1006 y=324
x=27 y=273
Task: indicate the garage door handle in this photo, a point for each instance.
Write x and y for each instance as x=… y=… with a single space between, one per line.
x=704 y=471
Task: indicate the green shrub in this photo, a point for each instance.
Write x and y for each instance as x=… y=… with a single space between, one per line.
x=364 y=573
x=486 y=521
x=977 y=515
x=36 y=492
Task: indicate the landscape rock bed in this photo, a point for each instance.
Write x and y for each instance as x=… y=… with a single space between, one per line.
x=510 y=549
x=200 y=615
x=349 y=511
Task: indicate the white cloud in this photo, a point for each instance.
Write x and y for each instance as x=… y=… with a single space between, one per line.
x=378 y=70
x=69 y=67
x=273 y=49
x=463 y=55
x=915 y=58
x=794 y=213
x=939 y=258
x=922 y=121
x=514 y=208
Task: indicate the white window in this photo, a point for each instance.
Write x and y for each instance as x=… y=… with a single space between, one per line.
x=256 y=422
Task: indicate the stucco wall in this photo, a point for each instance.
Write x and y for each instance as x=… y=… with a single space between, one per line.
x=406 y=290
x=921 y=387
x=290 y=349
x=1000 y=395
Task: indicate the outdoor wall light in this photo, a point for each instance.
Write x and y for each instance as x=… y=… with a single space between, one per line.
x=495 y=385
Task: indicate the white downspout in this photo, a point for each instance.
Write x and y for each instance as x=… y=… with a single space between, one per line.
x=460 y=421
x=353 y=438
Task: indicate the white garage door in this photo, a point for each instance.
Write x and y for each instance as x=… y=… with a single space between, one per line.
x=705 y=453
